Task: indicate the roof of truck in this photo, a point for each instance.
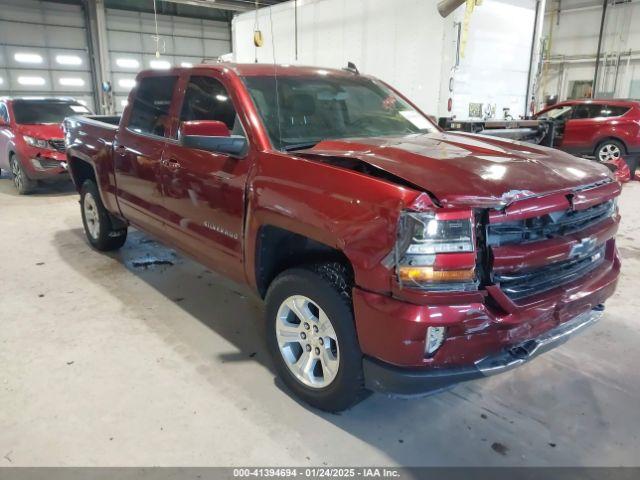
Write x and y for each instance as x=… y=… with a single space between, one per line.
x=31 y=98
x=259 y=69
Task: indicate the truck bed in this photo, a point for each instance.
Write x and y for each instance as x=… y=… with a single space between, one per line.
x=90 y=139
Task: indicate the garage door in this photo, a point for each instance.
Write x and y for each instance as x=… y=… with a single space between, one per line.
x=184 y=42
x=43 y=51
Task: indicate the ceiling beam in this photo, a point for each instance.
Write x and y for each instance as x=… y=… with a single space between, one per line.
x=234 y=5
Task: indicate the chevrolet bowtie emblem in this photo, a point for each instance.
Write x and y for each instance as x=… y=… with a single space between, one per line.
x=583 y=247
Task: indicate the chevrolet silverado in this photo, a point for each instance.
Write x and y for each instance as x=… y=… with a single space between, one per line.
x=392 y=256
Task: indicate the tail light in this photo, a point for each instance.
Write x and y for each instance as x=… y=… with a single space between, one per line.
x=436 y=251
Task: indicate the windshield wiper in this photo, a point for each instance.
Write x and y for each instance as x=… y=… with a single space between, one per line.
x=300 y=146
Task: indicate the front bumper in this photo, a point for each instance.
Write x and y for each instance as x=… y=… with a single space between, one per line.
x=43 y=164
x=386 y=378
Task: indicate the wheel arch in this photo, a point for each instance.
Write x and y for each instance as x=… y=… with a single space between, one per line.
x=80 y=170
x=605 y=138
x=278 y=249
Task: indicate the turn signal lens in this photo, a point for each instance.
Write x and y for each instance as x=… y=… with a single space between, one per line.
x=428 y=274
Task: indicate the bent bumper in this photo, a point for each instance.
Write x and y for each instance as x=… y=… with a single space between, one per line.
x=385 y=378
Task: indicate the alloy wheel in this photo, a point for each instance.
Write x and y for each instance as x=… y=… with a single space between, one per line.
x=91 y=216
x=307 y=341
x=608 y=152
x=17 y=174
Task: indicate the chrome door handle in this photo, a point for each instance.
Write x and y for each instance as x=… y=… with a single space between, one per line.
x=172 y=163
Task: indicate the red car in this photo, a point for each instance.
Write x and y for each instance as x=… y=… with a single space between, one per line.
x=392 y=256
x=606 y=129
x=32 y=141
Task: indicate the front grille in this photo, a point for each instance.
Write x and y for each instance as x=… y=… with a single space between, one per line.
x=552 y=225
x=522 y=284
x=49 y=163
x=58 y=145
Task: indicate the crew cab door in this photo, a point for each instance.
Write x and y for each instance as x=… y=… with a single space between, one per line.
x=138 y=148
x=581 y=128
x=204 y=192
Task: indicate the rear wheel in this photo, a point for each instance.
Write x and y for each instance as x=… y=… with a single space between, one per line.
x=312 y=338
x=610 y=150
x=24 y=185
x=97 y=222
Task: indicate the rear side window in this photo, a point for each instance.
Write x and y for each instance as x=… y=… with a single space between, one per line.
x=151 y=105
x=611 y=111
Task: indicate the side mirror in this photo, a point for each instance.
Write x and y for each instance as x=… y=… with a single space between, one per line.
x=212 y=136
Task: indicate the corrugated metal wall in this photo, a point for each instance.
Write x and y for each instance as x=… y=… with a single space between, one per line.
x=184 y=41
x=43 y=50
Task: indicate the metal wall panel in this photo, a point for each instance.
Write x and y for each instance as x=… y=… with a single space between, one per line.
x=184 y=41
x=54 y=38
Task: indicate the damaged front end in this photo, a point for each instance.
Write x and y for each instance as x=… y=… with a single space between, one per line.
x=480 y=290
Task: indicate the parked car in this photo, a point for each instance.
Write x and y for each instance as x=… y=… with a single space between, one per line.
x=32 y=141
x=606 y=129
x=392 y=256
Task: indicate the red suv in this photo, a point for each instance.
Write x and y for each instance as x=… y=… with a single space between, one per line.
x=32 y=140
x=606 y=129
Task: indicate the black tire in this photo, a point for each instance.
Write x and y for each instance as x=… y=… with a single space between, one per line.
x=98 y=228
x=609 y=145
x=329 y=287
x=24 y=185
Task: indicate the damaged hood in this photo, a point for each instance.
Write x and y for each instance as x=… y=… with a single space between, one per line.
x=464 y=169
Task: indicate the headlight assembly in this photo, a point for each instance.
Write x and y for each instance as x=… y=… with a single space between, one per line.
x=36 y=142
x=436 y=251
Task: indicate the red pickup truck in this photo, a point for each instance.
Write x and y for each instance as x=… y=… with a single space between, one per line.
x=392 y=256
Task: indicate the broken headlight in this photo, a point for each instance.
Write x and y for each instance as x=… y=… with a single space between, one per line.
x=436 y=251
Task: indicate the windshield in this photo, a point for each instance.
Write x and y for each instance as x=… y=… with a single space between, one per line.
x=45 y=111
x=556 y=113
x=315 y=108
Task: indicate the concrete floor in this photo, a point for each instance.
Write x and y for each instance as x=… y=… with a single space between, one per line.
x=106 y=363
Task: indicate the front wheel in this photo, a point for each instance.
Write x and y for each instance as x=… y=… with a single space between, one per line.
x=24 y=185
x=312 y=338
x=97 y=223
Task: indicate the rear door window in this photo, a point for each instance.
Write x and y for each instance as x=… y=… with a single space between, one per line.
x=151 y=106
x=586 y=110
x=207 y=99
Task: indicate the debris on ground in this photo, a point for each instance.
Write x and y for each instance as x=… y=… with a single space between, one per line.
x=499 y=448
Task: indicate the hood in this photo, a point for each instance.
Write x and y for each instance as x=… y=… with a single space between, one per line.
x=45 y=131
x=465 y=169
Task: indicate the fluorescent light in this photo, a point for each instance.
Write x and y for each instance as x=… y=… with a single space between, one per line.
x=222 y=98
x=127 y=82
x=186 y=64
x=1 y=80
x=124 y=102
x=82 y=102
x=27 y=58
x=31 y=81
x=159 y=64
x=68 y=60
x=127 y=63
x=71 y=82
